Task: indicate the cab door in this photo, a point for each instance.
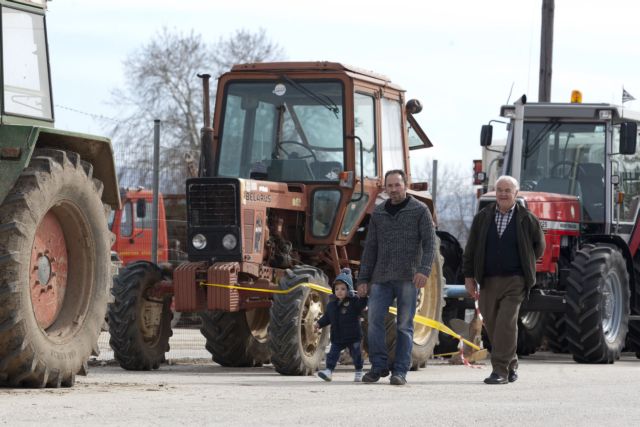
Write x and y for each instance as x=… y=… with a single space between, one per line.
x=366 y=147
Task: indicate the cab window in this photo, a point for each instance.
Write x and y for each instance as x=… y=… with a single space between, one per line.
x=365 y=129
x=126 y=220
x=392 y=152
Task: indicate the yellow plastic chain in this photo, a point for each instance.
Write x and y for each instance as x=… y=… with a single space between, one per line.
x=393 y=310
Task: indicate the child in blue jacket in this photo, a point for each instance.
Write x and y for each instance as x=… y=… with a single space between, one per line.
x=343 y=314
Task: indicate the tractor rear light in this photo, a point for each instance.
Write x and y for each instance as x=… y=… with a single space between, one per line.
x=229 y=242
x=199 y=241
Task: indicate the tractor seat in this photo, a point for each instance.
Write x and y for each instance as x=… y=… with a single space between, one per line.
x=591 y=178
x=554 y=185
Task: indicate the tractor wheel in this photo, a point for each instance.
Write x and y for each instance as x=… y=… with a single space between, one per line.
x=451 y=252
x=598 y=304
x=447 y=343
x=556 y=333
x=429 y=304
x=452 y=271
x=531 y=329
x=54 y=271
x=139 y=324
x=633 y=337
x=237 y=339
x=296 y=349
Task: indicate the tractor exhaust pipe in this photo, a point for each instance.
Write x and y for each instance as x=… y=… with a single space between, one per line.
x=207 y=148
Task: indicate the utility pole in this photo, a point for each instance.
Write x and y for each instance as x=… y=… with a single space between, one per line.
x=156 y=188
x=434 y=182
x=546 y=51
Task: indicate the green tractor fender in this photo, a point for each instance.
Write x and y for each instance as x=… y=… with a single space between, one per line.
x=18 y=142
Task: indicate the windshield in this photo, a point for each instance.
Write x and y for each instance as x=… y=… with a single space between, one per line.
x=566 y=158
x=282 y=131
x=25 y=71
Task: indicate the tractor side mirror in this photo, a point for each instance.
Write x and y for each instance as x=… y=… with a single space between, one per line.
x=628 y=137
x=141 y=208
x=486 y=134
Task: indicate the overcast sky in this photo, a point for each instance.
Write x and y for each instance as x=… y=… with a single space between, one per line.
x=460 y=59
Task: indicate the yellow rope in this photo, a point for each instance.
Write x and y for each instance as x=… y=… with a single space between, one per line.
x=393 y=310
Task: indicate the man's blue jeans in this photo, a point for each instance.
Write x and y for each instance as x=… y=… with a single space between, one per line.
x=380 y=299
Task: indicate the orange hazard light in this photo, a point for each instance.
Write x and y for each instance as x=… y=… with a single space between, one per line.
x=576 y=97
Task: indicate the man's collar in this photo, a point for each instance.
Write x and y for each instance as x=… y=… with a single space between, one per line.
x=508 y=211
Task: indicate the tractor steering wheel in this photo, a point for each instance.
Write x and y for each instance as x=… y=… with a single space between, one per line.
x=289 y=155
x=555 y=170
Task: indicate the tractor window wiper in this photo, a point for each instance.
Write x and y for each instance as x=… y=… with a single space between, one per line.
x=321 y=99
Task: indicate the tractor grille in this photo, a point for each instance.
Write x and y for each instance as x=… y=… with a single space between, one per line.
x=213 y=204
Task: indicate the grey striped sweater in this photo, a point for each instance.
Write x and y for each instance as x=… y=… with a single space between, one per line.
x=398 y=246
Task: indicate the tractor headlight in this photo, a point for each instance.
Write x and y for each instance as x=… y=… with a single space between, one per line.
x=229 y=242
x=199 y=241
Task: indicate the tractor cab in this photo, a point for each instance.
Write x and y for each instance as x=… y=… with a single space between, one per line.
x=582 y=150
x=305 y=140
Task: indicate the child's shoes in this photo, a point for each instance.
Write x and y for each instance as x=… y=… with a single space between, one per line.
x=325 y=374
x=358 y=376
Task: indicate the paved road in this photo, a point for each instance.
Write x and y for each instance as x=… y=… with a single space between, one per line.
x=552 y=390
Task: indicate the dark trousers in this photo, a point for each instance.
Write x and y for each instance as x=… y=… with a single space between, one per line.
x=500 y=299
x=354 y=350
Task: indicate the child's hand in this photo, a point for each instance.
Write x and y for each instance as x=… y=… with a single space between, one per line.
x=316 y=326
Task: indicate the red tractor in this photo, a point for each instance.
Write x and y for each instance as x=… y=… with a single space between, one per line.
x=289 y=174
x=579 y=174
x=133 y=228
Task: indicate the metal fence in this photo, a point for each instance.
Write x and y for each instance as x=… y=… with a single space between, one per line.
x=133 y=227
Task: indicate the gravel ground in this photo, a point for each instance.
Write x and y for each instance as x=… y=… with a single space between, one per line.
x=552 y=390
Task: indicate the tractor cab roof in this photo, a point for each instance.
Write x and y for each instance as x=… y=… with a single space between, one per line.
x=577 y=111
x=315 y=67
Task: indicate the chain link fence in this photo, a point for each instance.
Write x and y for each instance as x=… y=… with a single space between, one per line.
x=132 y=228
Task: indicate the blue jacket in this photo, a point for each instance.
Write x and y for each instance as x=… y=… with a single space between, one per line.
x=344 y=318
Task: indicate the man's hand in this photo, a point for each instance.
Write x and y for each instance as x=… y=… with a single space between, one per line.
x=363 y=290
x=470 y=285
x=420 y=280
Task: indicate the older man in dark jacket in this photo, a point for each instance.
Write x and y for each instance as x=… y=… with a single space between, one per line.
x=504 y=242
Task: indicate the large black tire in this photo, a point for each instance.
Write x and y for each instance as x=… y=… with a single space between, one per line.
x=531 y=329
x=295 y=348
x=139 y=324
x=556 y=333
x=598 y=304
x=633 y=337
x=447 y=343
x=54 y=252
x=237 y=339
x=451 y=252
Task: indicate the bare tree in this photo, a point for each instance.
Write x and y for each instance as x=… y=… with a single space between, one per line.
x=162 y=84
x=244 y=46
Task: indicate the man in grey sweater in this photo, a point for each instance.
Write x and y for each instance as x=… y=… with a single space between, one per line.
x=397 y=259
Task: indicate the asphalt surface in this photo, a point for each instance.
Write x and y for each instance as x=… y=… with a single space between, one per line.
x=552 y=390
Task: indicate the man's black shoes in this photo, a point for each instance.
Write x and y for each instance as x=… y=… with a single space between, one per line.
x=374 y=376
x=496 y=379
x=398 y=379
x=513 y=376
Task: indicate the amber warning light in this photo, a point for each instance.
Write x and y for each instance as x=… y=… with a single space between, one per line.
x=576 y=97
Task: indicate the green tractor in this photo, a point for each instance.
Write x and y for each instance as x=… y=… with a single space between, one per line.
x=56 y=189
